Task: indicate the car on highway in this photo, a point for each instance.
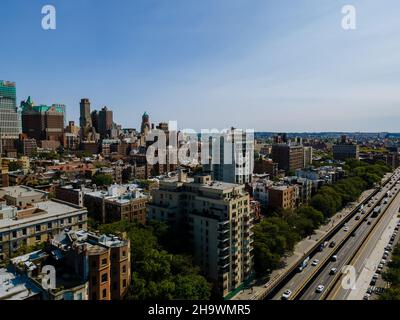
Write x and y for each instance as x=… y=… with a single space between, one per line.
x=334 y=258
x=315 y=262
x=333 y=271
x=358 y=218
x=345 y=229
x=332 y=244
x=320 y=288
x=286 y=295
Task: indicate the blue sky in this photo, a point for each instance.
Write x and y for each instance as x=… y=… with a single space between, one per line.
x=270 y=65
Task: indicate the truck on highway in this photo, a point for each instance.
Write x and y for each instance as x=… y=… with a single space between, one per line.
x=376 y=212
x=304 y=264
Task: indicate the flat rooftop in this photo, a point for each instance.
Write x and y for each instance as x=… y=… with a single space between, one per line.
x=51 y=208
x=15 y=287
x=21 y=191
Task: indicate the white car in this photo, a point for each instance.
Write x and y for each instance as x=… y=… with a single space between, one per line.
x=315 y=262
x=320 y=288
x=286 y=295
x=346 y=229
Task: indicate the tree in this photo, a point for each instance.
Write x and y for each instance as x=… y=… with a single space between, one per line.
x=101 y=179
x=14 y=166
x=157 y=273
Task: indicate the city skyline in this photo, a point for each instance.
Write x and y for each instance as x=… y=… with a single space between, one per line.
x=211 y=64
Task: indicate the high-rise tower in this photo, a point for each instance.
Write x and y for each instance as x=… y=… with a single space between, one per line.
x=10 y=118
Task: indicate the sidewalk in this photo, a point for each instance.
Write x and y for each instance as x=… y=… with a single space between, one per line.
x=256 y=288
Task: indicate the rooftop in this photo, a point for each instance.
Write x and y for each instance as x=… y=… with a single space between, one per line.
x=21 y=191
x=46 y=209
x=15 y=287
x=119 y=193
x=96 y=242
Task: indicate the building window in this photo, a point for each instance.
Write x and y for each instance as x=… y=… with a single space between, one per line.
x=37 y=237
x=38 y=227
x=124 y=253
x=124 y=283
x=49 y=225
x=104 y=293
x=123 y=269
x=104 y=277
x=69 y=220
x=14 y=234
x=104 y=262
x=24 y=231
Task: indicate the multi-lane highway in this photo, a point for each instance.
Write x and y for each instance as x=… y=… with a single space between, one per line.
x=366 y=261
x=340 y=249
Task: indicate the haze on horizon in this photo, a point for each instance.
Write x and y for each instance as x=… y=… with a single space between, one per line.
x=269 y=65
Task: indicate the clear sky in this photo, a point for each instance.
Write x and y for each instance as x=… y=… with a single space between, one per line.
x=270 y=65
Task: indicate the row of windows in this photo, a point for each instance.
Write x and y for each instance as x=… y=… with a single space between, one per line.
x=42 y=227
x=104 y=291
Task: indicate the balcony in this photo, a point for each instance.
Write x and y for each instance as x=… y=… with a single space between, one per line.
x=223 y=245
x=223 y=255
x=223 y=263
x=223 y=223
x=248 y=234
x=224 y=228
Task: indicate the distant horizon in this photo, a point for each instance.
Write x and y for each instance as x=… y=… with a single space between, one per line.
x=212 y=64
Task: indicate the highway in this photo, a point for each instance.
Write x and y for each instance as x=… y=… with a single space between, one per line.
x=350 y=249
x=303 y=284
x=361 y=261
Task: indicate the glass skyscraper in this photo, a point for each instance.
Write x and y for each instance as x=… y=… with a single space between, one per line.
x=10 y=117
